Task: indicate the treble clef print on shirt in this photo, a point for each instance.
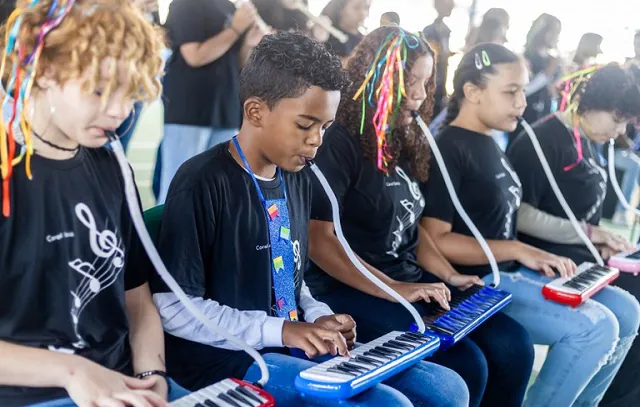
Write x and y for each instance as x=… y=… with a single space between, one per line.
x=412 y=211
x=100 y=272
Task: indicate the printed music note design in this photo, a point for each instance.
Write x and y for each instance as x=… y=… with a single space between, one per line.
x=97 y=275
x=412 y=211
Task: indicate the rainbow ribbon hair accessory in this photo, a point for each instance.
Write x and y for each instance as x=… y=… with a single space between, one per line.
x=18 y=89
x=570 y=86
x=381 y=92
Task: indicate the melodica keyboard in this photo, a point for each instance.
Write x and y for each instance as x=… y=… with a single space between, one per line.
x=469 y=309
x=573 y=291
x=627 y=262
x=227 y=393
x=343 y=377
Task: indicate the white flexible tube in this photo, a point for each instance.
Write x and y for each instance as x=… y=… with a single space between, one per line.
x=138 y=222
x=335 y=210
x=558 y=193
x=456 y=202
x=339 y=35
x=614 y=180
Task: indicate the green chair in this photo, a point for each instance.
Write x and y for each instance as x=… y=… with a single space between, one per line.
x=152 y=219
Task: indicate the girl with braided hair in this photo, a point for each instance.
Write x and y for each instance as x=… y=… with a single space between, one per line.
x=78 y=319
x=375 y=158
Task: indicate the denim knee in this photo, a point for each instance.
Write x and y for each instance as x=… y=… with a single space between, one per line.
x=517 y=354
x=627 y=312
x=604 y=330
x=467 y=360
x=457 y=392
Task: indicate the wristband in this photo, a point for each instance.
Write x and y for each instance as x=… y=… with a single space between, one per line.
x=148 y=373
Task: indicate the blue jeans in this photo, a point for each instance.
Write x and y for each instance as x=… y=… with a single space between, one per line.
x=180 y=143
x=629 y=162
x=175 y=392
x=587 y=344
x=495 y=360
x=424 y=384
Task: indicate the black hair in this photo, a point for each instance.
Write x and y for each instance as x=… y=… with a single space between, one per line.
x=611 y=89
x=475 y=67
x=538 y=31
x=392 y=16
x=285 y=65
x=496 y=13
x=333 y=10
x=487 y=30
x=588 y=38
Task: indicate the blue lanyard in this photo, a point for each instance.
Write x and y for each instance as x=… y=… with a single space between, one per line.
x=253 y=177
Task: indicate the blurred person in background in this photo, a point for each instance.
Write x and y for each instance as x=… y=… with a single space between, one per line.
x=347 y=16
x=390 y=18
x=438 y=35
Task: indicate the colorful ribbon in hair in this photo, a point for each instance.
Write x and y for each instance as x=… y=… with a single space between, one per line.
x=18 y=90
x=380 y=91
x=571 y=85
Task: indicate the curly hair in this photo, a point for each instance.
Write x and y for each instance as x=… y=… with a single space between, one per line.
x=611 y=89
x=66 y=41
x=406 y=142
x=93 y=30
x=285 y=65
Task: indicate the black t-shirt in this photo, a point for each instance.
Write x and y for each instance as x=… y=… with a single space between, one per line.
x=208 y=95
x=214 y=239
x=343 y=49
x=379 y=213
x=541 y=103
x=487 y=186
x=584 y=186
x=68 y=253
x=438 y=34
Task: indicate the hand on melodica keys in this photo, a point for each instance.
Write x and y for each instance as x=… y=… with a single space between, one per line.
x=544 y=262
x=414 y=292
x=314 y=339
x=342 y=323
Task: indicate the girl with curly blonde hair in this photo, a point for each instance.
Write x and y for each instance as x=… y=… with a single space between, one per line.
x=78 y=320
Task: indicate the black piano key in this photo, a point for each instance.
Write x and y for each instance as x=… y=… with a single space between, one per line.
x=380 y=355
x=417 y=337
x=409 y=341
x=248 y=394
x=438 y=329
x=357 y=368
x=202 y=405
x=208 y=403
x=343 y=370
x=391 y=352
x=228 y=399
x=239 y=397
x=364 y=359
x=397 y=345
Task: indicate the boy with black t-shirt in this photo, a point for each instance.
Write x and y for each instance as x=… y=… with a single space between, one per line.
x=234 y=231
x=210 y=42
